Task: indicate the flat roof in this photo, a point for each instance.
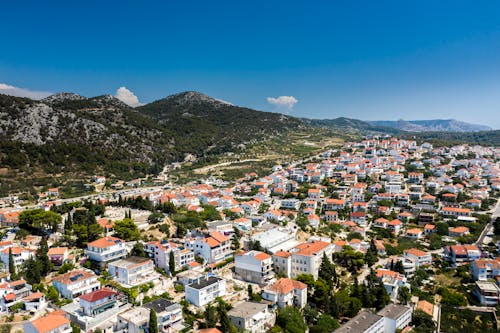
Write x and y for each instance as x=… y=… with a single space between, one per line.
x=160 y=305
x=246 y=309
x=487 y=286
x=359 y=324
x=202 y=283
x=393 y=311
x=129 y=261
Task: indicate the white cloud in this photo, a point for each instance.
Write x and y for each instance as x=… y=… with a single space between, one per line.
x=127 y=97
x=283 y=101
x=22 y=92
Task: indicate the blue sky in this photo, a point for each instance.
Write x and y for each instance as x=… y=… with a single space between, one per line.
x=362 y=59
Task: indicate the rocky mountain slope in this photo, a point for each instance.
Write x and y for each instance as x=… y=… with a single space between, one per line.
x=70 y=133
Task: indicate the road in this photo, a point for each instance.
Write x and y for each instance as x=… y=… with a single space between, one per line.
x=483 y=238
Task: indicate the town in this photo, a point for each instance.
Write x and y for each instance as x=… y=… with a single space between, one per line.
x=380 y=235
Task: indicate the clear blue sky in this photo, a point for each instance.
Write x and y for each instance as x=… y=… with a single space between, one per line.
x=361 y=59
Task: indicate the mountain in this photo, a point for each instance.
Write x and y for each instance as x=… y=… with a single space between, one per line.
x=344 y=124
x=67 y=134
x=436 y=125
x=203 y=121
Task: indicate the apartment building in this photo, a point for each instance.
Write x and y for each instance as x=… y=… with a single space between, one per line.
x=76 y=283
x=286 y=292
x=252 y=317
x=205 y=291
x=132 y=271
x=306 y=257
x=54 y=322
x=106 y=249
x=213 y=248
x=254 y=266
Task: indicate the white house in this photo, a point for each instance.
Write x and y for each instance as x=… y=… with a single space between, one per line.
x=251 y=317
x=213 y=248
x=254 y=266
x=484 y=269
x=286 y=292
x=205 y=291
x=396 y=317
x=54 y=322
x=306 y=257
x=132 y=271
x=106 y=249
x=75 y=283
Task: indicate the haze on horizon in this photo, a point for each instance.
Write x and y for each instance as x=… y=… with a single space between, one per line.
x=384 y=60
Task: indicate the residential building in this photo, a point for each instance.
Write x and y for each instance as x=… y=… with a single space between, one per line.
x=364 y=322
x=206 y=290
x=160 y=252
x=392 y=281
x=306 y=257
x=396 y=317
x=455 y=211
x=254 y=266
x=458 y=254
x=106 y=249
x=76 y=283
x=417 y=258
x=53 y=322
x=282 y=262
x=168 y=314
x=19 y=254
x=97 y=309
x=484 y=269
x=488 y=293
x=58 y=255
x=132 y=271
x=286 y=292
x=215 y=247
x=251 y=317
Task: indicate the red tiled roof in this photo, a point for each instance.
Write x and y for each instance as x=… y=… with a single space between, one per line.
x=98 y=294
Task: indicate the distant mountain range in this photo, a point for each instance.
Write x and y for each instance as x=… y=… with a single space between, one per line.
x=439 y=125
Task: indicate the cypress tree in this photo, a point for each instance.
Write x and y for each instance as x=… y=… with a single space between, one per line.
x=12 y=266
x=171 y=263
x=153 y=322
x=43 y=259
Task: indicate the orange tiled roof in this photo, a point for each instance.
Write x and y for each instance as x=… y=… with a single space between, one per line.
x=308 y=249
x=105 y=242
x=50 y=322
x=284 y=286
x=416 y=252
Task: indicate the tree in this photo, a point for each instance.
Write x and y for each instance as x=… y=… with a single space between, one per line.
x=404 y=295
x=52 y=294
x=225 y=322
x=422 y=322
x=32 y=271
x=210 y=316
x=39 y=221
x=138 y=250
x=153 y=322
x=68 y=224
x=171 y=262
x=326 y=324
x=290 y=320
x=250 y=291
x=127 y=230
x=327 y=271
x=451 y=297
x=12 y=266
x=43 y=259
x=371 y=254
